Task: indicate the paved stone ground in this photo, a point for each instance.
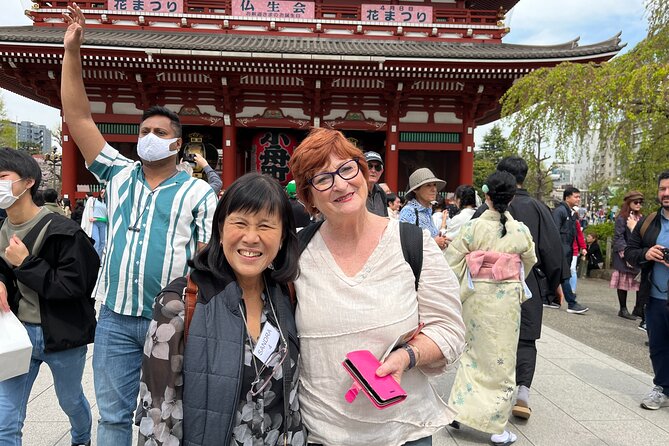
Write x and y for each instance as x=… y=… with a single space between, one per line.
x=582 y=395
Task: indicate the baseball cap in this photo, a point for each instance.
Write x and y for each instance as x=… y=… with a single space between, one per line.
x=373 y=156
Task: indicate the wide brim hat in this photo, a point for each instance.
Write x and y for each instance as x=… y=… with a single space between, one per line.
x=633 y=195
x=424 y=176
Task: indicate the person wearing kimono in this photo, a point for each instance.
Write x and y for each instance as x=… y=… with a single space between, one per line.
x=491 y=256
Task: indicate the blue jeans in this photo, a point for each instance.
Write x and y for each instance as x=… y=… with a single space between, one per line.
x=67 y=367
x=568 y=293
x=657 y=323
x=574 y=274
x=117 y=359
x=99 y=234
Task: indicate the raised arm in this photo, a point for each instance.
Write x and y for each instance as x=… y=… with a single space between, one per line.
x=76 y=108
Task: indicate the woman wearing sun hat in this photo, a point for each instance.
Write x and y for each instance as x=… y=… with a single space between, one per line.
x=423 y=188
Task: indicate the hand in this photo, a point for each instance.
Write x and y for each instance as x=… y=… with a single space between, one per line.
x=4 y=305
x=76 y=22
x=441 y=241
x=656 y=254
x=16 y=252
x=631 y=222
x=200 y=161
x=91 y=219
x=584 y=252
x=395 y=364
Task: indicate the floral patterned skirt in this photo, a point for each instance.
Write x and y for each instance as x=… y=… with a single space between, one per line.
x=624 y=281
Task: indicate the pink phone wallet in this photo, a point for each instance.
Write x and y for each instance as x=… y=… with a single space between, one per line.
x=382 y=391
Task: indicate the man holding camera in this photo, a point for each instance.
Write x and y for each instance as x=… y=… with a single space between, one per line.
x=648 y=248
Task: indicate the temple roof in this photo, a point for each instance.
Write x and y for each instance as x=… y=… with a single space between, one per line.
x=491 y=4
x=188 y=42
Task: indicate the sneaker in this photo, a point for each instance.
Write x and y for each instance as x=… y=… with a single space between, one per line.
x=504 y=439
x=642 y=326
x=553 y=305
x=577 y=309
x=655 y=399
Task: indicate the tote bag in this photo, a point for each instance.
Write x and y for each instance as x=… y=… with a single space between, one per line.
x=15 y=347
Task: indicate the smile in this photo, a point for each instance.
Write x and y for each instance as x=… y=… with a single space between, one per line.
x=344 y=198
x=245 y=253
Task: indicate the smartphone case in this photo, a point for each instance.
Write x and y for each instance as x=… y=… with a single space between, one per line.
x=382 y=391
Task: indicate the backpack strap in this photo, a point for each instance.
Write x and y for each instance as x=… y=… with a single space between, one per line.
x=306 y=234
x=31 y=237
x=646 y=223
x=189 y=297
x=416 y=211
x=411 y=239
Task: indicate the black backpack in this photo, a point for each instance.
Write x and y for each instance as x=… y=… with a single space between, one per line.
x=411 y=237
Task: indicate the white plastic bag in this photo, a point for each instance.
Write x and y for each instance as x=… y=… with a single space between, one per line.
x=15 y=347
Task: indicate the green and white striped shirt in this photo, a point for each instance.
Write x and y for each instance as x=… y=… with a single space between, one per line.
x=152 y=233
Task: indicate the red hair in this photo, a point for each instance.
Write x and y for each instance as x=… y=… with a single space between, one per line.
x=313 y=154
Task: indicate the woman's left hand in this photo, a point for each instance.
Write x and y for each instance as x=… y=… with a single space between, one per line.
x=395 y=364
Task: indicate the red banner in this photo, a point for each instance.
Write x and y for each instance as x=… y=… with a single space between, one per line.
x=273 y=150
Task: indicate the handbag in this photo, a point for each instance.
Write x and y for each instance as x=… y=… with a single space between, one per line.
x=382 y=391
x=15 y=346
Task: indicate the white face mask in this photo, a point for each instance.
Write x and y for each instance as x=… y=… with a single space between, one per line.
x=7 y=198
x=153 y=148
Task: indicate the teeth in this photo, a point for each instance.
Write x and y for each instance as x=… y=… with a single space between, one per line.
x=249 y=253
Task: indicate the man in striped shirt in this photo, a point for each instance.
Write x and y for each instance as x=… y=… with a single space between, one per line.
x=158 y=218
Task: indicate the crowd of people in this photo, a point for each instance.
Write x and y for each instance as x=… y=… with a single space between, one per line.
x=221 y=323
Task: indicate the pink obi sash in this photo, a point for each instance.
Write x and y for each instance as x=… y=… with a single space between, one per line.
x=496 y=266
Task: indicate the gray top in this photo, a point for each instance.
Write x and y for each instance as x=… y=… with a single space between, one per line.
x=29 y=302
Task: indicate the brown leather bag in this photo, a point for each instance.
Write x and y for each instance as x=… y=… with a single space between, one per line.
x=189 y=297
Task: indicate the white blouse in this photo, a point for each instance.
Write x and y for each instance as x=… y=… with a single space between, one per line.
x=337 y=314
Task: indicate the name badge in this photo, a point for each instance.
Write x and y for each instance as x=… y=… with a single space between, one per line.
x=269 y=337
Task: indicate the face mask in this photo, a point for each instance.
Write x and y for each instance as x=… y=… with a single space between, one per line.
x=7 y=197
x=153 y=148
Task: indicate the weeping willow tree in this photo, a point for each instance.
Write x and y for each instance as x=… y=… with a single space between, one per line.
x=625 y=100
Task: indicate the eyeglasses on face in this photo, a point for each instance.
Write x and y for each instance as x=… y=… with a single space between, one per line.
x=276 y=361
x=638 y=202
x=375 y=166
x=325 y=180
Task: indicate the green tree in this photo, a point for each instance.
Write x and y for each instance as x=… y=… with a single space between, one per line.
x=494 y=147
x=626 y=100
x=538 y=181
x=7 y=128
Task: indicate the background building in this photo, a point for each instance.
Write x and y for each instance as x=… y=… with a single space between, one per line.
x=33 y=137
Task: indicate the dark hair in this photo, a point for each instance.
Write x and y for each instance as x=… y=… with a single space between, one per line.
x=157 y=110
x=466 y=194
x=390 y=198
x=252 y=192
x=21 y=163
x=501 y=189
x=663 y=176
x=516 y=166
x=569 y=191
x=50 y=195
x=440 y=204
x=38 y=198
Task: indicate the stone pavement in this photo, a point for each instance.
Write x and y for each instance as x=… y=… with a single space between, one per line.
x=580 y=397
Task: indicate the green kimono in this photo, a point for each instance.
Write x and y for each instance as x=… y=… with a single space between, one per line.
x=482 y=393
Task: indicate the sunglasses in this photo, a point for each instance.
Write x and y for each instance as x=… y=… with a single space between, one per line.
x=638 y=202
x=276 y=361
x=375 y=166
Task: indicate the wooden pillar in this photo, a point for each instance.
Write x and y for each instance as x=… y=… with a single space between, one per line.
x=229 y=145
x=392 y=155
x=69 y=161
x=467 y=152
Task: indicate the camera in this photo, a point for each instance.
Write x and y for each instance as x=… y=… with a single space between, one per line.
x=665 y=254
x=189 y=157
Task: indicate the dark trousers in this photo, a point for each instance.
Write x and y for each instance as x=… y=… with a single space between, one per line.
x=657 y=323
x=526 y=362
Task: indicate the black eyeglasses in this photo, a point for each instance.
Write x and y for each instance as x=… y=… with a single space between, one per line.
x=375 y=166
x=325 y=180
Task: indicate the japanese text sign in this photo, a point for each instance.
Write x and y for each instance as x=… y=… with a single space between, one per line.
x=175 y=6
x=273 y=151
x=396 y=13
x=274 y=9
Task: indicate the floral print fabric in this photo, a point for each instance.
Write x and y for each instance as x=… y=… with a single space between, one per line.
x=259 y=420
x=482 y=393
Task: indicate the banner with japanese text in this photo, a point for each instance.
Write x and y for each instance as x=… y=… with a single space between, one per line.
x=274 y=9
x=175 y=6
x=273 y=149
x=396 y=13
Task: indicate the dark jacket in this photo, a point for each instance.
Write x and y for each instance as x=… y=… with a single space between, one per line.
x=213 y=357
x=63 y=274
x=566 y=225
x=595 y=256
x=620 y=237
x=377 y=202
x=635 y=253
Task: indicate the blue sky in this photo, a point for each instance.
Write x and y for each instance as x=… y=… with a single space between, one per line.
x=543 y=22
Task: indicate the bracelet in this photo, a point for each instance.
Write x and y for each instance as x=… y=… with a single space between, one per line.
x=412 y=355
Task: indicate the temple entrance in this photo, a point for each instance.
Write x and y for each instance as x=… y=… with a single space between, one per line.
x=443 y=164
